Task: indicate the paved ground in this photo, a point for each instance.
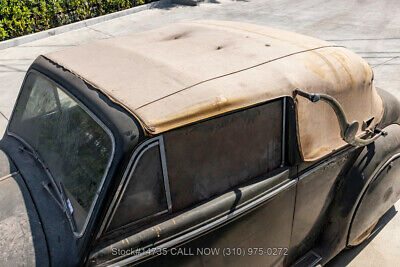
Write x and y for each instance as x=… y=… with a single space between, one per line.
x=369 y=27
x=381 y=249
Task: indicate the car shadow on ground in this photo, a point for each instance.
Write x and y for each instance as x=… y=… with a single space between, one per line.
x=346 y=256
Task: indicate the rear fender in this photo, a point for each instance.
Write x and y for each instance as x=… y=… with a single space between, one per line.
x=384 y=187
x=382 y=192
x=350 y=191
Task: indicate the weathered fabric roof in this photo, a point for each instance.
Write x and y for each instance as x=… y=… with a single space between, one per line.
x=185 y=72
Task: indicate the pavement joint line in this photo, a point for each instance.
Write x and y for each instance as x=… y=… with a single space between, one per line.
x=80 y=24
x=1 y=113
x=11 y=68
x=383 y=63
x=380 y=57
x=363 y=39
x=107 y=34
x=377 y=52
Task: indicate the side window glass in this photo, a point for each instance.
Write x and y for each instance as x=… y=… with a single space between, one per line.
x=145 y=194
x=213 y=156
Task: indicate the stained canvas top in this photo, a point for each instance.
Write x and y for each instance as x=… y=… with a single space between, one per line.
x=185 y=72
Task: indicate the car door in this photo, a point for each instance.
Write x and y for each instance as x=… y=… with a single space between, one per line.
x=316 y=189
x=217 y=192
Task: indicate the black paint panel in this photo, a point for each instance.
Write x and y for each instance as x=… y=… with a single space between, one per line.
x=266 y=227
x=255 y=196
x=315 y=192
x=381 y=194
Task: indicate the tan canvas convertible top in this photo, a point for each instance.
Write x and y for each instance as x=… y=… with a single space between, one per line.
x=186 y=72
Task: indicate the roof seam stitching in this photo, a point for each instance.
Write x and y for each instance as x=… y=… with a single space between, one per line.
x=234 y=72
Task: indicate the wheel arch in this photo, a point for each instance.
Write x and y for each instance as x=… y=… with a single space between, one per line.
x=382 y=192
x=351 y=190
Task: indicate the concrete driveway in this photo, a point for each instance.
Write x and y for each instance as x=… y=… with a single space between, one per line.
x=371 y=28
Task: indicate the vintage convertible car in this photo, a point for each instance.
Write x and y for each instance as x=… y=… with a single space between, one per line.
x=202 y=143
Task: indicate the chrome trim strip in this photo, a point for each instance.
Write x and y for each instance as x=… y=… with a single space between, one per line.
x=99 y=122
x=326 y=162
x=283 y=131
x=305 y=257
x=165 y=172
x=8 y=176
x=205 y=228
x=377 y=172
x=143 y=219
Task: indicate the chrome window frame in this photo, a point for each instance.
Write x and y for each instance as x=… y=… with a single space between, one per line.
x=284 y=121
x=96 y=119
x=135 y=158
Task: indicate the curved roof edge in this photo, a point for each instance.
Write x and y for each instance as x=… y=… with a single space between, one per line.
x=182 y=73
